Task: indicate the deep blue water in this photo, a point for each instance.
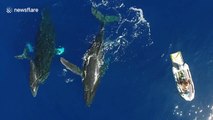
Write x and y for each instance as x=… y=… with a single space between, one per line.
x=137 y=86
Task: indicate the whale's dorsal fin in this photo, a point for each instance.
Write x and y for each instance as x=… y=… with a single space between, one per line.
x=75 y=69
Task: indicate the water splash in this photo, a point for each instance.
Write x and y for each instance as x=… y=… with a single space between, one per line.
x=69 y=80
x=194 y=112
x=66 y=77
x=29 y=47
x=166 y=55
x=64 y=73
x=132 y=27
x=211 y=114
x=60 y=50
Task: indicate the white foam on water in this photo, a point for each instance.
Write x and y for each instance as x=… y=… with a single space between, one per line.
x=194 y=112
x=141 y=18
x=139 y=14
x=136 y=19
x=131 y=27
x=69 y=80
x=64 y=72
x=210 y=117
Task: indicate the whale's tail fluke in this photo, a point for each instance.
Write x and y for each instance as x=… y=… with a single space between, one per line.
x=75 y=69
x=104 y=18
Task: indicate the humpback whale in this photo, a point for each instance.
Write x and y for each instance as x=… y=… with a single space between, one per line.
x=93 y=60
x=44 y=52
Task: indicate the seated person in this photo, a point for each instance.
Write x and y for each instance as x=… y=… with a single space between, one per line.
x=184 y=83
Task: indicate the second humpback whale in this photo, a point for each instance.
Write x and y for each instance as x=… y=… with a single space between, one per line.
x=44 y=52
x=93 y=60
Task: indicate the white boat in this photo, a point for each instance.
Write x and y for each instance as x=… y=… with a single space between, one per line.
x=182 y=75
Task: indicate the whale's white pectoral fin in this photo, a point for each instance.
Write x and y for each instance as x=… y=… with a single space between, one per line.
x=75 y=69
x=24 y=55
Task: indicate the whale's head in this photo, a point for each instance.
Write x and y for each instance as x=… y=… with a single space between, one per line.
x=34 y=89
x=88 y=96
x=89 y=92
x=34 y=82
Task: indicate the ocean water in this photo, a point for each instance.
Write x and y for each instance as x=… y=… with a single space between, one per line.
x=138 y=84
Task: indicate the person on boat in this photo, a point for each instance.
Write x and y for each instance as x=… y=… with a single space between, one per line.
x=184 y=83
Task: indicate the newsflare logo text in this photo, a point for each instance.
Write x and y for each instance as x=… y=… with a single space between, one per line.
x=21 y=10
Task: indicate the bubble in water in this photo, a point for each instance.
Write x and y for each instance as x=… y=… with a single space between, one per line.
x=131 y=27
x=64 y=73
x=195 y=112
x=69 y=80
